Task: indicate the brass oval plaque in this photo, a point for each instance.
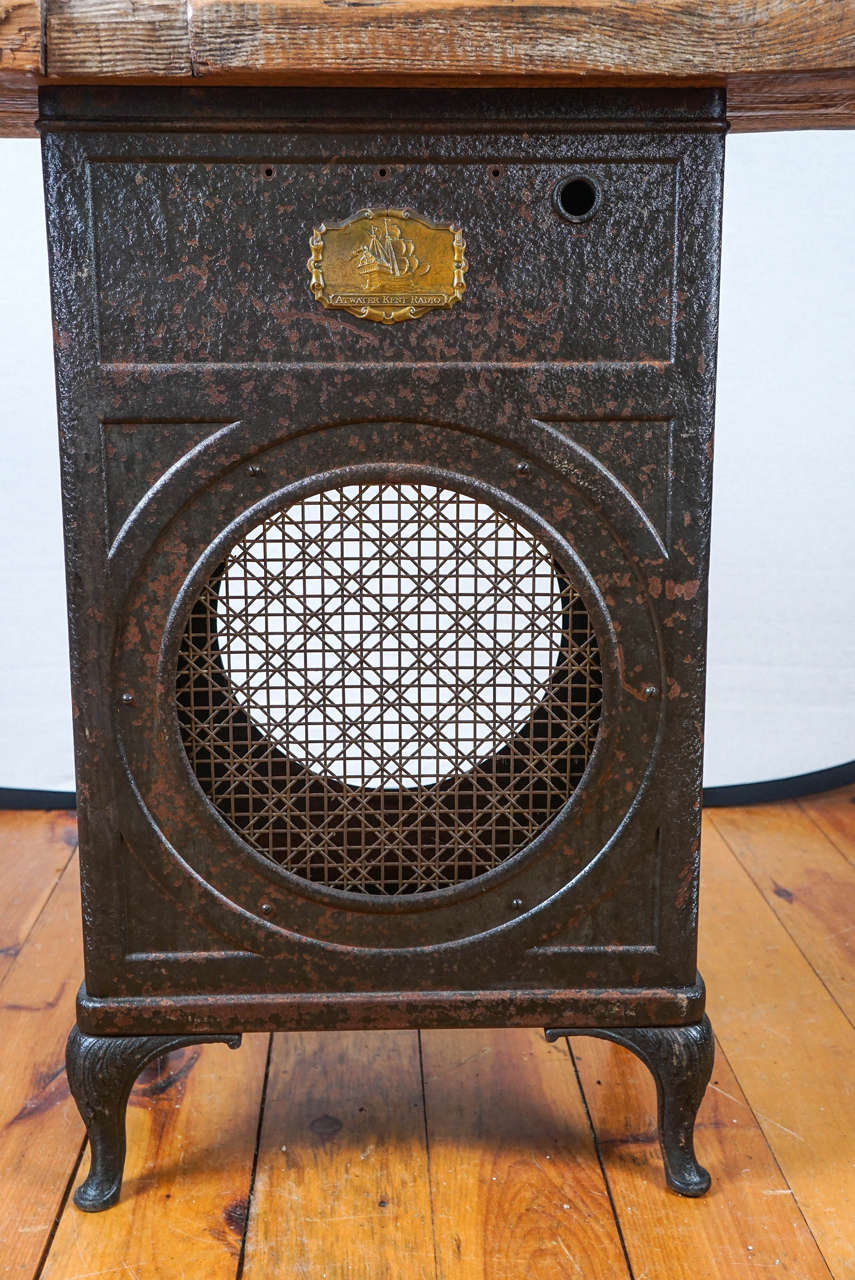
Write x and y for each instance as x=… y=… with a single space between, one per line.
x=387 y=265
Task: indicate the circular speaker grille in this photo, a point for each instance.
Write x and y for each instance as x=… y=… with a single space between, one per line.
x=389 y=688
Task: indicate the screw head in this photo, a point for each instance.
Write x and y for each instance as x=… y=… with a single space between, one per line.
x=523 y=468
x=255 y=470
x=127 y=699
x=266 y=909
x=650 y=691
x=517 y=904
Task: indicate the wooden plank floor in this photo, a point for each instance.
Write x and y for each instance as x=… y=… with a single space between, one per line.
x=473 y=1155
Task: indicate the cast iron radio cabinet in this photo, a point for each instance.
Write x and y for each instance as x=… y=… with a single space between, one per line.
x=386 y=440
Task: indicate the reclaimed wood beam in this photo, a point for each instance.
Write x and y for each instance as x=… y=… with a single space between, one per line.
x=454 y=38
x=20 y=37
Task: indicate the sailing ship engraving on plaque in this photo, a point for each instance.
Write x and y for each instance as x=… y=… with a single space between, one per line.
x=387 y=265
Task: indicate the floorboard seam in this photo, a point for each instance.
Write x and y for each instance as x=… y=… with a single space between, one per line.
x=600 y=1161
x=820 y=979
x=255 y=1154
x=427 y=1156
x=719 y=1049
x=38 y=916
x=828 y=836
x=63 y=1204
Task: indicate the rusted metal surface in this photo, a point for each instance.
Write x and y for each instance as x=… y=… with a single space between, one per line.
x=349 y=1011
x=680 y=1059
x=101 y=1073
x=570 y=389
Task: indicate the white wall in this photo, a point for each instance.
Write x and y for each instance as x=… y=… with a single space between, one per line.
x=35 y=707
x=782 y=631
x=781 y=685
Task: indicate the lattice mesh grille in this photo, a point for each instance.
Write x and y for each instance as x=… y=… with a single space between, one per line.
x=389 y=688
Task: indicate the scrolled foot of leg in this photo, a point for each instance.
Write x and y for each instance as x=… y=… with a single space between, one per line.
x=680 y=1059
x=101 y=1073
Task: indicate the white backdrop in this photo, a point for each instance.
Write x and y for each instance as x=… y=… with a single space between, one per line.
x=782 y=592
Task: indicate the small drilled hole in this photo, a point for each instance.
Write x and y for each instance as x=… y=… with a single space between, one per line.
x=577 y=197
x=382 y=173
x=495 y=173
x=268 y=173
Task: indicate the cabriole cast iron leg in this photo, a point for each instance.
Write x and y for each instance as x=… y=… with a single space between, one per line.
x=680 y=1059
x=101 y=1073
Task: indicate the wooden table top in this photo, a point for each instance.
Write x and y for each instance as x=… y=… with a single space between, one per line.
x=787 y=64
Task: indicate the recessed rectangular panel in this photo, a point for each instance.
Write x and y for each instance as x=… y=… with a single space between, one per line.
x=232 y=243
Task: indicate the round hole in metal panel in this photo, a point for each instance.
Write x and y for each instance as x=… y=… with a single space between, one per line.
x=389 y=688
x=577 y=197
